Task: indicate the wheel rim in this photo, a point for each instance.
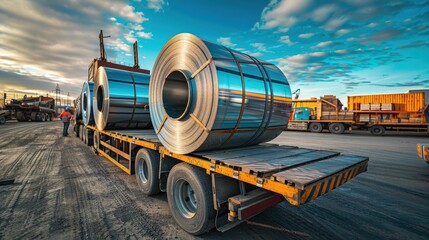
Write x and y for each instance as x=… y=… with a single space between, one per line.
x=185 y=198
x=377 y=130
x=143 y=173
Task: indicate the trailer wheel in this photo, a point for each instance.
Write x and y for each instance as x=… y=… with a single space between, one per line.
x=20 y=116
x=89 y=137
x=2 y=120
x=190 y=198
x=77 y=130
x=377 y=130
x=336 y=128
x=316 y=127
x=81 y=132
x=147 y=169
x=95 y=146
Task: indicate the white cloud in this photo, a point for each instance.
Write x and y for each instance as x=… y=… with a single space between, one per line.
x=145 y=35
x=317 y=54
x=121 y=9
x=260 y=46
x=323 y=44
x=320 y=14
x=66 y=41
x=342 y=32
x=372 y=25
x=156 y=4
x=306 y=35
x=342 y=51
x=130 y=37
x=281 y=14
x=334 y=23
x=286 y=39
x=226 y=41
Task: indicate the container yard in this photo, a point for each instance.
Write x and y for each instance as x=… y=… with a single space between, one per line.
x=204 y=134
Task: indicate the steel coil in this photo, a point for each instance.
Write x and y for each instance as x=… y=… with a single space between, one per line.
x=77 y=108
x=86 y=103
x=121 y=99
x=205 y=96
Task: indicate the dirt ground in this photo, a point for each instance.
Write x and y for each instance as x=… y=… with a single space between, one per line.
x=63 y=190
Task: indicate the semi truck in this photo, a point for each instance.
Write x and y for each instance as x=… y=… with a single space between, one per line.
x=220 y=188
x=375 y=113
x=35 y=109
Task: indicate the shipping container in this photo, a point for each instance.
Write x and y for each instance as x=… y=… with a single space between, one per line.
x=407 y=102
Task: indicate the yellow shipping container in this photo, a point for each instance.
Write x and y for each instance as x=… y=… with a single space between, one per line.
x=310 y=103
x=407 y=102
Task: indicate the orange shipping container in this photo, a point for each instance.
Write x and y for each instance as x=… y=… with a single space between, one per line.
x=408 y=102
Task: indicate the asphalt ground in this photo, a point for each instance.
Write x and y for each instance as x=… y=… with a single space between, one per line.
x=63 y=190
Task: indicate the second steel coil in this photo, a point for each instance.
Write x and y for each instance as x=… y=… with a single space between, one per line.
x=121 y=99
x=86 y=101
x=205 y=96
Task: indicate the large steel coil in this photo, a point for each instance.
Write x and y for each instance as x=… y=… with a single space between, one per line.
x=121 y=99
x=86 y=103
x=78 y=108
x=205 y=96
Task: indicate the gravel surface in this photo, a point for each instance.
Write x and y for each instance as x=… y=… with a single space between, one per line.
x=63 y=190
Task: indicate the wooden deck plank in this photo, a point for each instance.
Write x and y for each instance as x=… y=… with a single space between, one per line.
x=281 y=164
x=246 y=152
x=306 y=174
x=268 y=156
x=208 y=154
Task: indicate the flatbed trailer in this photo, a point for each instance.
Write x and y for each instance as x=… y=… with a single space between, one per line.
x=227 y=186
x=423 y=151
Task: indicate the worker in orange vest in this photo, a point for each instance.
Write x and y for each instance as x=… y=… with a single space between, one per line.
x=65 y=118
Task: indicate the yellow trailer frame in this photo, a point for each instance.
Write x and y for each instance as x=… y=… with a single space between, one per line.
x=274 y=173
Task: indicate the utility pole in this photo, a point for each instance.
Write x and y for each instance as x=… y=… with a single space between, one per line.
x=57 y=97
x=68 y=98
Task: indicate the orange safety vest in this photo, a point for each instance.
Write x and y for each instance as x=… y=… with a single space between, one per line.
x=66 y=116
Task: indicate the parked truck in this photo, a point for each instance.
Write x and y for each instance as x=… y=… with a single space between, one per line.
x=220 y=188
x=375 y=113
x=35 y=109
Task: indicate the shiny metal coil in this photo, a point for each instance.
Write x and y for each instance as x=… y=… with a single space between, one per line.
x=86 y=103
x=121 y=99
x=205 y=96
x=78 y=108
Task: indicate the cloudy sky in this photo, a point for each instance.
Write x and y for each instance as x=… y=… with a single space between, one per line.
x=347 y=47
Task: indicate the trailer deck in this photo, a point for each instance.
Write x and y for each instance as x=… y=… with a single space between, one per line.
x=298 y=174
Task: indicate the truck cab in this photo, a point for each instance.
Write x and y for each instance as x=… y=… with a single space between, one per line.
x=303 y=113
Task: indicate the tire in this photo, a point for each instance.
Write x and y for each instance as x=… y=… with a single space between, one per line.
x=20 y=116
x=147 y=171
x=81 y=132
x=190 y=198
x=77 y=130
x=84 y=134
x=316 y=127
x=43 y=117
x=89 y=137
x=336 y=128
x=33 y=117
x=2 y=120
x=95 y=146
x=377 y=130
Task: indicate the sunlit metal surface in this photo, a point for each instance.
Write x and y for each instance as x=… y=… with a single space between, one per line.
x=121 y=99
x=233 y=100
x=86 y=103
x=78 y=108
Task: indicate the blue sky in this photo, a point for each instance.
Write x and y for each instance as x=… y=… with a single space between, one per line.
x=348 y=47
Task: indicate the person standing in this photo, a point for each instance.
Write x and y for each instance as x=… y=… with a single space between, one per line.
x=65 y=118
